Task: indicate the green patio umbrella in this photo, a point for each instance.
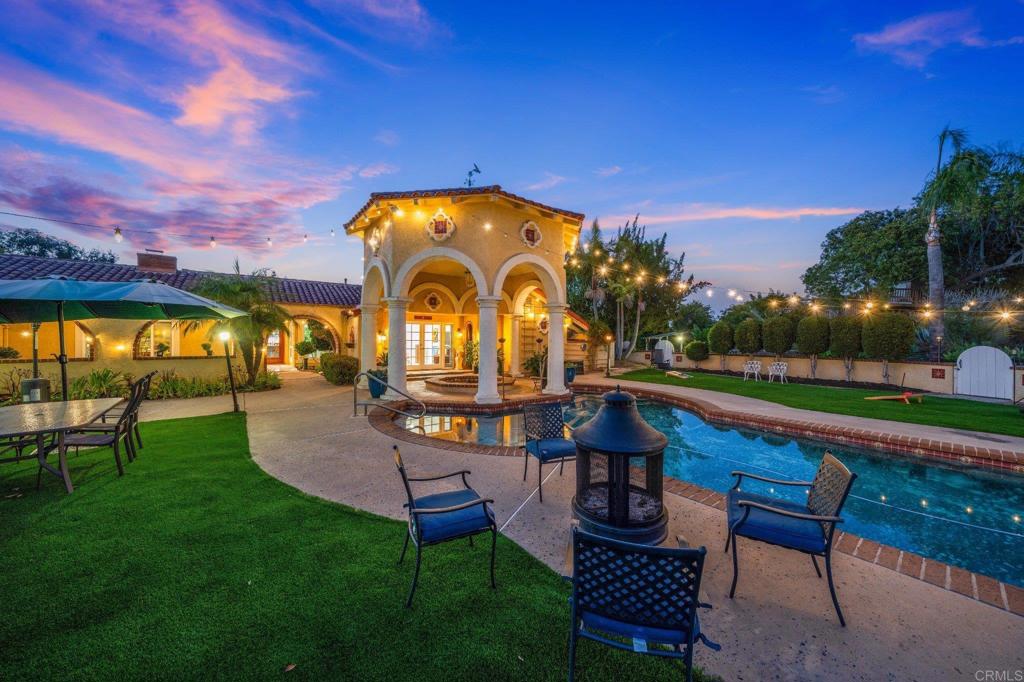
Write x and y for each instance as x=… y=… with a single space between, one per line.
x=60 y=299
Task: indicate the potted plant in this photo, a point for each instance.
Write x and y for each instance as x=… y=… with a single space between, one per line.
x=208 y=347
x=377 y=382
x=161 y=349
x=305 y=349
x=570 y=372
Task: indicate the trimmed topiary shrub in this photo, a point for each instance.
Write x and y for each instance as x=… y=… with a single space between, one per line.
x=812 y=337
x=696 y=351
x=888 y=336
x=339 y=369
x=748 y=336
x=844 y=340
x=779 y=334
x=720 y=339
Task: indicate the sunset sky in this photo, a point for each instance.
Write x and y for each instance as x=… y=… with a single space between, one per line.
x=744 y=130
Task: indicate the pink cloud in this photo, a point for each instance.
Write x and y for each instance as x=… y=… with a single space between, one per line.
x=608 y=171
x=392 y=19
x=37 y=103
x=697 y=212
x=550 y=180
x=376 y=169
x=911 y=42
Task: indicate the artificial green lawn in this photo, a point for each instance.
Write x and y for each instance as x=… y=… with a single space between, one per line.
x=934 y=411
x=197 y=565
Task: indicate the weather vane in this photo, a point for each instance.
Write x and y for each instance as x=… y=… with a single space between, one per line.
x=470 y=174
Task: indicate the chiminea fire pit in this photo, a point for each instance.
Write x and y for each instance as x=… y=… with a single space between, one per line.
x=619 y=469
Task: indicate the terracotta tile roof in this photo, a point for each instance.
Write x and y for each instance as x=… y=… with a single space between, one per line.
x=458 y=192
x=286 y=290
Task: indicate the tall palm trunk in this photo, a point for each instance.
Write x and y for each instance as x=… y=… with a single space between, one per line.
x=936 y=285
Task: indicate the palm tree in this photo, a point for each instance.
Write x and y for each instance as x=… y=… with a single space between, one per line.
x=252 y=294
x=952 y=185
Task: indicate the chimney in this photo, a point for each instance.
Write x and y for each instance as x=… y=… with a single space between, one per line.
x=346 y=280
x=156 y=261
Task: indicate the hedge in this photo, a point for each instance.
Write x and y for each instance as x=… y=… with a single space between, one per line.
x=779 y=334
x=696 y=351
x=812 y=335
x=339 y=369
x=888 y=336
x=720 y=338
x=844 y=334
x=748 y=336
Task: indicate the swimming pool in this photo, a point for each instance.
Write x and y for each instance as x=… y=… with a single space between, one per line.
x=962 y=517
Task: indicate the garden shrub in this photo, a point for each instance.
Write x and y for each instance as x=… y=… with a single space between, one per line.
x=8 y=353
x=720 y=339
x=305 y=348
x=748 y=336
x=779 y=334
x=844 y=340
x=812 y=337
x=888 y=336
x=99 y=383
x=696 y=351
x=339 y=369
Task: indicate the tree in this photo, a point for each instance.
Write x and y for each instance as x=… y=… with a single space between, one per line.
x=748 y=336
x=27 y=242
x=889 y=337
x=779 y=333
x=844 y=334
x=870 y=254
x=720 y=339
x=951 y=185
x=812 y=337
x=251 y=294
x=696 y=351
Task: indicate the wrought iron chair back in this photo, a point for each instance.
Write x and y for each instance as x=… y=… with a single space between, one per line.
x=405 y=476
x=829 y=490
x=654 y=587
x=543 y=420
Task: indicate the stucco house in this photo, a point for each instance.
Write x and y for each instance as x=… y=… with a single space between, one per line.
x=451 y=279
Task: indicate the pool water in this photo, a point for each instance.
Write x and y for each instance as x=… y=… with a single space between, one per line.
x=962 y=517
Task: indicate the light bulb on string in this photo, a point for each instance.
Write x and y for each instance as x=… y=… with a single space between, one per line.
x=270 y=242
x=732 y=293
x=305 y=238
x=794 y=299
x=213 y=243
x=118 y=237
x=332 y=232
x=710 y=293
x=739 y=299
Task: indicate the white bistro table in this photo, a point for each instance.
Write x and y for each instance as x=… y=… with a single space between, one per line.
x=40 y=419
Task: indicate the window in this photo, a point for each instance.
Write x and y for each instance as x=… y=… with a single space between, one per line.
x=412 y=344
x=159 y=340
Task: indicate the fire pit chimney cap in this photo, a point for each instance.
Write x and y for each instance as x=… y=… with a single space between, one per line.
x=618 y=428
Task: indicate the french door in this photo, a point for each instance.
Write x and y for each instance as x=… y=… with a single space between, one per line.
x=428 y=346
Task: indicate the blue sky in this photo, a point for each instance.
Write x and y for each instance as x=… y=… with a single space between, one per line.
x=743 y=130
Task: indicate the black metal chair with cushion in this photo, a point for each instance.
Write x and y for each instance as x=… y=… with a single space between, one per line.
x=805 y=527
x=110 y=435
x=636 y=598
x=444 y=516
x=544 y=430
x=141 y=386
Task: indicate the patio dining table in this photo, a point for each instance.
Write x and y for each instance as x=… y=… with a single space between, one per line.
x=42 y=419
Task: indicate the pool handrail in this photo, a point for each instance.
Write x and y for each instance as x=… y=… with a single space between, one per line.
x=367 y=404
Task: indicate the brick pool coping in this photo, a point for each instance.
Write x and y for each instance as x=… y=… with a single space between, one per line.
x=973 y=585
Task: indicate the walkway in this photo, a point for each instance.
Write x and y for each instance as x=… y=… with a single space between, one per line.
x=781 y=624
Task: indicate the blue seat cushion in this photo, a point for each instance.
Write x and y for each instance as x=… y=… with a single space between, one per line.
x=785 y=531
x=547 y=449
x=438 y=527
x=617 y=628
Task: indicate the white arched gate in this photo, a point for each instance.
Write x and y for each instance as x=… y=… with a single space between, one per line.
x=984 y=371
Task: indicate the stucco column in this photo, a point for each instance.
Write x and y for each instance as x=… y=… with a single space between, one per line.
x=487 y=355
x=556 y=349
x=396 y=345
x=367 y=336
x=515 y=368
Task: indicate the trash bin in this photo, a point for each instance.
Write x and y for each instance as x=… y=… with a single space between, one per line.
x=35 y=390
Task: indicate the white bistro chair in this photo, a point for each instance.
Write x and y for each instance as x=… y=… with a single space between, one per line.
x=752 y=368
x=778 y=369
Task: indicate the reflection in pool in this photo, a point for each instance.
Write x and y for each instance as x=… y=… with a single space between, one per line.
x=965 y=518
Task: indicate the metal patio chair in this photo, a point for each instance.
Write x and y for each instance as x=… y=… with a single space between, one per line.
x=752 y=368
x=111 y=435
x=777 y=370
x=445 y=516
x=544 y=430
x=805 y=527
x=142 y=385
x=636 y=598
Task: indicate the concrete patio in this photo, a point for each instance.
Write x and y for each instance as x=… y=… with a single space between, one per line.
x=780 y=625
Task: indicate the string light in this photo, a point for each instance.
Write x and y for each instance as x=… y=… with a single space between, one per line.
x=213 y=243
x=794 y=299
x=332 y=232
x=710 y=293
x=739 y=299
x=773 y=303
x=118 y=237
x=305 y=238
x=270 y=242
x=487 y=228
x=869 y=305
x=732 y=293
